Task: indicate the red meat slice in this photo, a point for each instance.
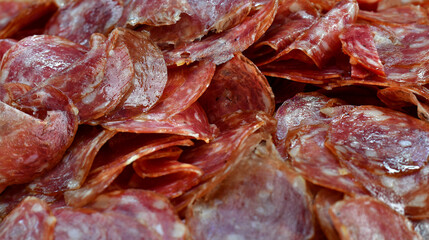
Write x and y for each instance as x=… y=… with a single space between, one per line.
x=260 y=199
x=237 y=85
x=31 y=219
x=407 y=14
x=323 y=201
x=357 y=218
x=78 y=20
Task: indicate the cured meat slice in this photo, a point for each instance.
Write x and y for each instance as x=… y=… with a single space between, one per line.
x=319 y=43
x=154 y=13
x=16 y=15
x=407 y=14
x=115 y=160
x=239 y=133
x=323 y=201
x=31 y=219
x=14 y=195
x=358 y=43
x=200 y=18
x=78 y=20
x=184 y=86
x=302 y=109
x=162 y=173
x=150 y=74
x=191 y=122
x=36 y=58
x=6 y=44
x=382 y=140
x=364 y=217
x=237 y=85
x=34 y=144
x=260 y=199
x=292 y=19
x=79 y=223
x=317 y=164
x=148 y=208
x=221 y=47
x=71 y=172
x=422 y=228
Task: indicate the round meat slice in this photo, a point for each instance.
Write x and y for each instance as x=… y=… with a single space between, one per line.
x=368 y=218
x=380 y=139
x=31 y=219
x=260 y=199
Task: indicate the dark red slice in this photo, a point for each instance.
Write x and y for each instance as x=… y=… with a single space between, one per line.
x=31 y=219
x=221 y=47
x=6 y=44
x=380 y=139
x=148 y=208
x=78 y=20
x=361 y=217
x=259 y=199
x=237 y=85
x=76 y=163
x=322 y=202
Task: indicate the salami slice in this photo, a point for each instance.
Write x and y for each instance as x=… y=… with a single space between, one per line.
x=34 y=59
x=364 y=217
x=422 y=228
x=6 y=44
x=319 y=43
x=191 y=122
x=407 y=14
x=317 y=164
x=31 y=219
x=260 y=198
x=237 y=85
x=78 y=20
x=79 y=223
x=71 y=172
x=323 y=201
x=200 y=18
x=221 y=47
x=34 y=144
x=162 y=173
x=382 y=139
x=112 y=165
x=148 y=208
x=358 y=43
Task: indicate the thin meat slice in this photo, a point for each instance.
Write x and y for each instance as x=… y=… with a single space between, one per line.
x=115 y=160
x=35 y=143
x=76 y=163
x=149 y=74
x=363 y=217
x=163 y=173
x=407 y=14
x=17 y=15
x=237 y=85
x=79 y=223
x=293 y=18
x=317 y=164
x=319 y=43
x=34 y=59
x=260 y=199
x=31 y=219
x=380 y=139
x=221 y=47
x=358 y=43
x=148 y=208
x=5 y=45
x=200 y=18
x=322 y=202
x=191 y=122
x=78 y=20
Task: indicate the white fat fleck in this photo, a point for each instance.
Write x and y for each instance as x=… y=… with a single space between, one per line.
x=371 y=153
x=419 y=201
x=260 y=210
x=372 y=62
x=294 y=152
x=159 y=204
x=37 y=208
x=234 y=237
x=388 y=182
x=376 y=115
x=405 y=143
x=263 y=194
x=158 y=229
x=129 y=200
x=132 y=159
x=295 y=7
x=341 y=149
x=419 y=44
x=179 y=230
x=330 y=172
x=270 y=186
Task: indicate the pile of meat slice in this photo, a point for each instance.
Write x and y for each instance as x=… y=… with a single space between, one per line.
x=222 y=119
